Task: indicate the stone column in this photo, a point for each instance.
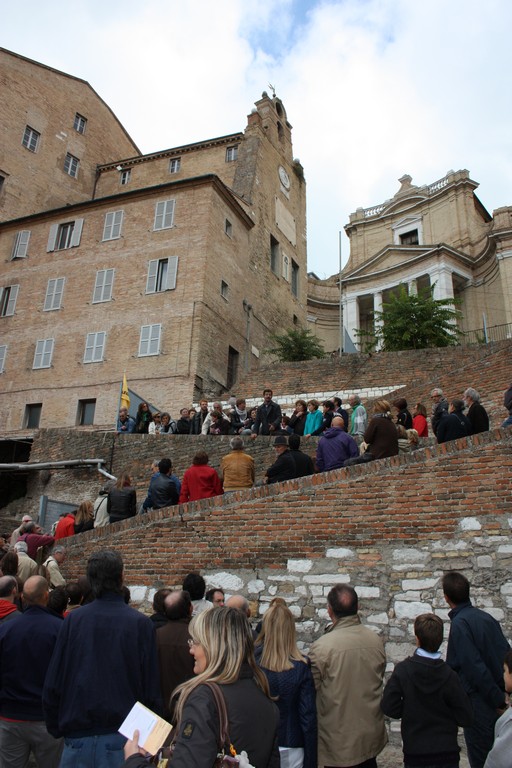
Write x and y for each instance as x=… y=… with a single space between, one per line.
x=350 y=322
x=377 y=307
x=442 y=277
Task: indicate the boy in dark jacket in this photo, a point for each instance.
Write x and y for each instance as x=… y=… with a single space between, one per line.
x=427 y=695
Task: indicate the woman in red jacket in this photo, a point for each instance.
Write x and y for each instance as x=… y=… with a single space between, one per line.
x=419 y=421
x=200 y=481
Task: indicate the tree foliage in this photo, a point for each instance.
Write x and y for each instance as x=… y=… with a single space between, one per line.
x=295 y=345
x=414 y=321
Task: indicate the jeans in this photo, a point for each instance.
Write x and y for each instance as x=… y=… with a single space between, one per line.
x=19 y=739
x=94 y=752
x=480 y=736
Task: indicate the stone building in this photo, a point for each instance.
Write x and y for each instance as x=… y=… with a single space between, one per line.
x=172 y=267
x=437 y=236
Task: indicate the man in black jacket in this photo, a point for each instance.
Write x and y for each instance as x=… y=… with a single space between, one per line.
x=284 y=467
x=268 y=416
x=476 y=412
x=476 y=649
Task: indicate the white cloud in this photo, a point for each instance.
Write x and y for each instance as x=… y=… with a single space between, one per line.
x=373 y=88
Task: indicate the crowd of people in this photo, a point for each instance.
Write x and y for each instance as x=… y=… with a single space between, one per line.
x=347 y=437
x=312 y=417
x=75 y=659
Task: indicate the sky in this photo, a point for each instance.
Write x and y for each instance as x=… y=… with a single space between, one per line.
x=373 y=89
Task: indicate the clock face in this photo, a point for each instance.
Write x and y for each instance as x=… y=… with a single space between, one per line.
x=285 y=179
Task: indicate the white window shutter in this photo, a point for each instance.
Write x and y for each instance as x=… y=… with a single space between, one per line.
x=77 y=233
x=172 y=271
x=117 y=224
x=52 y=239
x=159 y=215
x=21 y=244
x=152 y=276
x=169 y=213
x=11 y=304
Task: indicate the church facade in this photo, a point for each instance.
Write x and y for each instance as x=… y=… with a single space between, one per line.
x=439 y=237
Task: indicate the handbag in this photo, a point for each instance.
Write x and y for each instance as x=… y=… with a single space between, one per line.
x=227 y=756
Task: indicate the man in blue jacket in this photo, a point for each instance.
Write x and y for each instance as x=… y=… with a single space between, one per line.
x=476 y=650
x=105 y=660
x=26 y=647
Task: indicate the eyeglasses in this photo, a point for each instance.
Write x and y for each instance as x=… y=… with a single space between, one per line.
x=192 y=643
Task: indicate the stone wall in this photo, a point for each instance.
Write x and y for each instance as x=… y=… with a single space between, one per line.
x=390 y=528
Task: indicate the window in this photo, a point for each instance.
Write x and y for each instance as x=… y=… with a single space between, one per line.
x=31 y=139
x=54 y=293
x=80 y=123
x=224 y=288
x=20 y=248
x=286 y=267
x=164 y=214
x=295 y=278
x=162 y=275
x=149 y=340
x=3 y=355
x=32 y=415
x=43 y=354
x=232 y=373
x=175 y=165
x=113 y=224
x=228 y=228
x=274 y=255
x=125 y=176
x=409 y=238
x=64 y=236
x=71 y=165
x=231 y=154
x=103 y=286
x=85 y=413
x=94 y=347
x=8 y=296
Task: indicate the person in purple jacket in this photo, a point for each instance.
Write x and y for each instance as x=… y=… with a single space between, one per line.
x=335 y=447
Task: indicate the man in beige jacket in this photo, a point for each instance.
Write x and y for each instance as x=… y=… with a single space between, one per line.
x=348 y=664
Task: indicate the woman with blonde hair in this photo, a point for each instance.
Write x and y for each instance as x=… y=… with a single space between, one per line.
x=222 y=647
x=84 y=517
x=290 y=680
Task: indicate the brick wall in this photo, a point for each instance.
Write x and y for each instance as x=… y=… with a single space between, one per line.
x=390 y=528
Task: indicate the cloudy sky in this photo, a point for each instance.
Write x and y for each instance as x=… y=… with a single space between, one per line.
x=373 y=88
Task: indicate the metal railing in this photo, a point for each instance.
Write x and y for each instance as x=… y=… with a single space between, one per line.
x=485 y=335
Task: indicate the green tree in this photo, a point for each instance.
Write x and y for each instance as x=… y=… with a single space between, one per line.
x=415 y=321
x=295 y=345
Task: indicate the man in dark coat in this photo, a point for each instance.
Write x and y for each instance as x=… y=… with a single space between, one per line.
x=26 y=647
x=105 y=660
x=283 y=467
x=476 y=649
x=476 y=412
x=439 y=406
x=268 y=416
x=303 y=463
x=174 y=658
